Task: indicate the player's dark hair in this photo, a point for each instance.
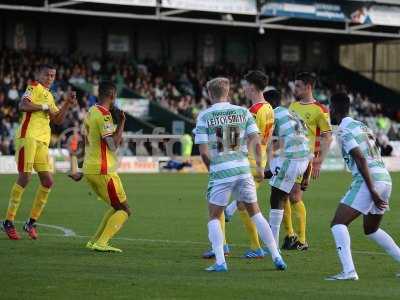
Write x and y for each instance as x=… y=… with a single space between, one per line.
x=258 y=78
x=307 y=78
x=273 y=97
x=106 y=89
x=341 y=103
x=46 y=67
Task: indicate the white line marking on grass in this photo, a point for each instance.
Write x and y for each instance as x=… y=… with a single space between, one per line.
x=181 y=242
x=67 y=232
x=138 y=240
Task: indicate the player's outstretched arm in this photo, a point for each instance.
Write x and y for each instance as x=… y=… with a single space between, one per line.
x=59 y=116
x=362 y=166
x=113 y=141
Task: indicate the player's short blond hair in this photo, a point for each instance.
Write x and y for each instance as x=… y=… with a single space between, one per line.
x=218 y=87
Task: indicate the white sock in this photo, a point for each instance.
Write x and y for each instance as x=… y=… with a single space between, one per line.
x=231 y=208
x=342 y=240
x=386 y=242
x=275 y=220
x=266 y=234
x=216 y=238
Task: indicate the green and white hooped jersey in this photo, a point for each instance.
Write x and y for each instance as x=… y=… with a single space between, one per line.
x=352 y=134
x=292 y=132
x=225 y=127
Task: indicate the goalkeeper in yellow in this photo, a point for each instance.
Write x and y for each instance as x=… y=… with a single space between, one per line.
x=316 y=117
x=100 y=166
x=32 y=148
x=254 y=85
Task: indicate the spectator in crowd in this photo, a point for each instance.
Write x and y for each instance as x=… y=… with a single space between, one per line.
x=181 y=89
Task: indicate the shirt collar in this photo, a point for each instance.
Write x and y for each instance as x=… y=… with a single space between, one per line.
x=221 y=103
x=102 y=108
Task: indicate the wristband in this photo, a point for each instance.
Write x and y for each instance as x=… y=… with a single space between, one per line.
x=45 y=107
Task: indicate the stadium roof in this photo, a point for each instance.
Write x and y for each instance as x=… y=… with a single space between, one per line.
x=391 y=2
x=355 y=17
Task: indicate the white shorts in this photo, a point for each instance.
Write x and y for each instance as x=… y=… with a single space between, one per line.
x=285 y=172
x=359 y=197
x=241 y=190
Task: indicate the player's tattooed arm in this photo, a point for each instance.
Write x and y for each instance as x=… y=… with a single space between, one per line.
x=203 y=148
x=117 y=136
x=26 y=105
x=59 y=116
x=362 y=166
x=113 y=141
x=110 y=143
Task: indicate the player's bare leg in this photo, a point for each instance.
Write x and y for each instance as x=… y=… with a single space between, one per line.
x=343 y=217
x=265 y=233
x=14 y=203
x=114 y=223
x=42 y=194
x=216 y=238
x=299 y=212
x=24 y=178
x=373 y=231
x=256 y=250
x=277 y=201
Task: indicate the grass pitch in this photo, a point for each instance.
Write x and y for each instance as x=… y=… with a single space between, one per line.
x=163 y=242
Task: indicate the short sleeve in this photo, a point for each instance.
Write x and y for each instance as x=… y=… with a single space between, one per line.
x=261 y=119
x=201 y=131
x=347 y=140
x=53 y=106
x=106 y=125
x=324 y=123
x=251 y=126
x=29 y=93
x=269 y=124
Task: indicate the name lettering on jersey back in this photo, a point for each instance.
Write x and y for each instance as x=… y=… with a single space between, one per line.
x=229 y=118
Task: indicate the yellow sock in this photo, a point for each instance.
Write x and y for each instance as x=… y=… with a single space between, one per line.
x=287 y=218
x=222 y=221
x=251 y=229
x=40 y=201
x=15 y=201
x=299 y=211
x=102 y=225
x=114 y=224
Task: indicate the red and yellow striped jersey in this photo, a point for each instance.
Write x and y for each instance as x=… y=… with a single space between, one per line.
x=316 y=117
x=98 y=158
x=264 y=116
x=36 y=124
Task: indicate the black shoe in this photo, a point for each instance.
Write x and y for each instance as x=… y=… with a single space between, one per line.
x=289 y=242
x=300 y=246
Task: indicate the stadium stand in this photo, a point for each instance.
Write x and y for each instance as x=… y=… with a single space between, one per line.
x=179 y=89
